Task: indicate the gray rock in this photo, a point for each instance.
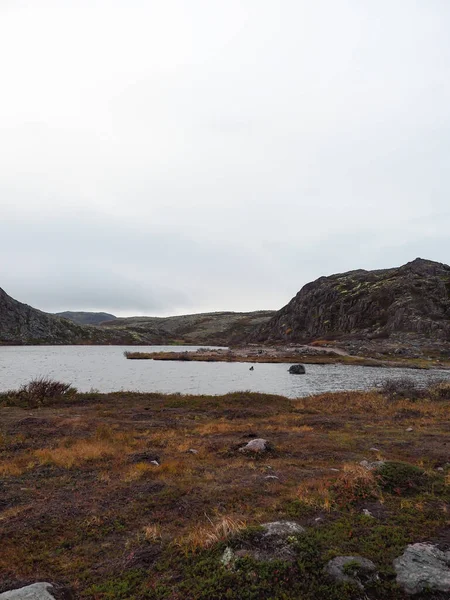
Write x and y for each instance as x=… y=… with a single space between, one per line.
x=282 y=529
x=423 y=567
x=297 y=370
x=36 y=591
x=352 y=569
x=257 y=445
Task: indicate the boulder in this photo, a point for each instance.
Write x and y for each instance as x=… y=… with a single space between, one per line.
x=35 y=591
x=352 y=569
x=273 y=542
x=257 y=446
x=423 y=567
x=297 y=370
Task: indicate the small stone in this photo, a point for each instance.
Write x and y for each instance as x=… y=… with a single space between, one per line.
x=271 y=477
x=374 y=449
x=258 y=446
x=423 y=567
x=335 y=470
x=364 y=570
x=440 y=469
x=192 y=451
x=36 y=591
x=409 y=429
x=367 y=513
x=154 y=462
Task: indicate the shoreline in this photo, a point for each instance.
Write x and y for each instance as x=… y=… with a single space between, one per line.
x=276 y=356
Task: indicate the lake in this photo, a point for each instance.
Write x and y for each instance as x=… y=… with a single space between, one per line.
x=105 y=369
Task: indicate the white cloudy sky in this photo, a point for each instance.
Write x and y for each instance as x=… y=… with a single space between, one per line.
x=170 y=156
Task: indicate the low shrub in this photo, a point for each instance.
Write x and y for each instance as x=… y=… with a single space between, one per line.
x=402 y=479
x=38 y=392
x=403 y=387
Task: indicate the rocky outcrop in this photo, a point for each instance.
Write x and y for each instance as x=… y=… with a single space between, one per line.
x=414 y=298
x=423 y=567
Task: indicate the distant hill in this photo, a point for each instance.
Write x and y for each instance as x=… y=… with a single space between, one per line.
x=22 y=324
x=220 y=328
x=411 y=299
x=86 y=318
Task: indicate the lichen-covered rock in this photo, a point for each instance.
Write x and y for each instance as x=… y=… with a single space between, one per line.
x=275 y=541
x=423 y=567
x=282 y=529
x=257 y=446
x=352 y=569
x=36 y=591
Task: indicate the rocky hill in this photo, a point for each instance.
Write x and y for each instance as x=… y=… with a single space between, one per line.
x=413 y=299
x=22 y=324
x=220 y=328
x=86 y=318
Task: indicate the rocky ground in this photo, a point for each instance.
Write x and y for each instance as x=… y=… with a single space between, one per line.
x=127 y=496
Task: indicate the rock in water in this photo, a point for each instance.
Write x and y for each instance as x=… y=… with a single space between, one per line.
x=351 y=569
x=297 y=370
x=423 y=567
x=258 y=445
x=36 y=591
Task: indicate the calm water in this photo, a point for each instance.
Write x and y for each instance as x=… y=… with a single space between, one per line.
x=104 y=368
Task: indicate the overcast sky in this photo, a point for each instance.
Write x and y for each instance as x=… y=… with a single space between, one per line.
x=170 y=156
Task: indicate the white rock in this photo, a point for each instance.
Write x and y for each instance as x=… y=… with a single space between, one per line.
x=409 y=429
x=256 y=445
x=367 y=513
x=271 y=477
x=35 y=591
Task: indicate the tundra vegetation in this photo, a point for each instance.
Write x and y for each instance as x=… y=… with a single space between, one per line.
x=130 y=496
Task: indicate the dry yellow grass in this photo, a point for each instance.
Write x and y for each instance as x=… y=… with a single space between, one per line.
x=204 y=536
x=68 y=454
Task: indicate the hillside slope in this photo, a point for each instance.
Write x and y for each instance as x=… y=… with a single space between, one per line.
x=86 y=318
x=411 y=299
x=22 y=324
